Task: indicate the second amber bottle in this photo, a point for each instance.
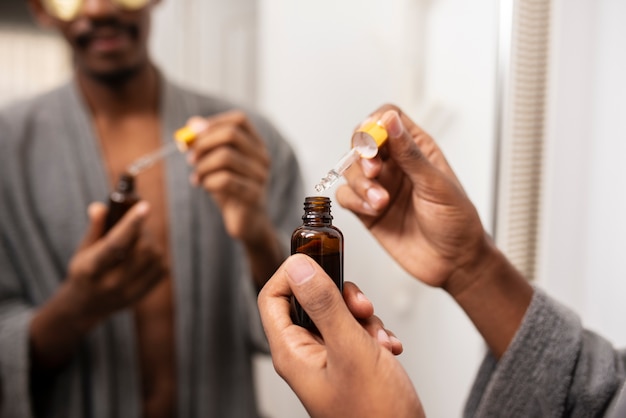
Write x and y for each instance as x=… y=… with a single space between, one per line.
x=323 y=242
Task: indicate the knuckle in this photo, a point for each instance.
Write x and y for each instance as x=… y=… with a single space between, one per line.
x=79 y=271
x=283 y=356
x=323 y=302
x=231 y=131
x=118 y=253
x=279 y=363
x=239 y=116
x=266 y=158
x=389 y=106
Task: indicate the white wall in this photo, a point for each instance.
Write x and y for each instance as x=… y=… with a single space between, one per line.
x=584 y=243
x=30 y=62
x=323 y=67
x=208 y=45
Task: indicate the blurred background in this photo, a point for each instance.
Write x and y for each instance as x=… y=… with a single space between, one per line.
x=526 y=98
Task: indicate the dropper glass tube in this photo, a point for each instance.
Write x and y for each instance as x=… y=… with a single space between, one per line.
x=365 y=143
x=184 y=137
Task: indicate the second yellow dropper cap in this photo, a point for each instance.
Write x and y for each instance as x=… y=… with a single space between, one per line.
x=368 y=138
x=184 y=138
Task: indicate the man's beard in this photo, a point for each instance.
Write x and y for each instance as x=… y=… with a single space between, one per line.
x=116 y=78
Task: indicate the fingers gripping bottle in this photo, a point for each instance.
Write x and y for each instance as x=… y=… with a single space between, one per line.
x=121 y=200
x=323 y=242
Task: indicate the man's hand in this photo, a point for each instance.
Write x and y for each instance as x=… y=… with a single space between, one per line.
x=346 y=371
x=411 y=201
x=107 y=273
x=112 y=272
x=232 y=164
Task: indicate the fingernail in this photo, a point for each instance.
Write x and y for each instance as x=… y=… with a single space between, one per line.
x=367 y=165
x=367 y=208
x=193 y=179
x=299 y=269
x=142 y=207
x=198 y=125
x=391 y=121
x=361 y=297
x=92 y=209
x=374 y=196
x=383 y=337
x=191 y=158
x=394 y=340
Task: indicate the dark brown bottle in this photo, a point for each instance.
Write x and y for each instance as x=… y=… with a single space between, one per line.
x=323 y=242
x=120 y=200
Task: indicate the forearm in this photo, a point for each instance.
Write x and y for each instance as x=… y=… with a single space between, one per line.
x=265 y=255
x=496 y=300
x=56 y=331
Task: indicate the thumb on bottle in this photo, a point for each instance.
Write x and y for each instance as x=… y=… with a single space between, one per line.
x=97 y=212
x=320 y=297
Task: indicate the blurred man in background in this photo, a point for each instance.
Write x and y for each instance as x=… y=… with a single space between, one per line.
x=155 y=318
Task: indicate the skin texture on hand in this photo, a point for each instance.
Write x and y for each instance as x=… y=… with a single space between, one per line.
x=344 y=371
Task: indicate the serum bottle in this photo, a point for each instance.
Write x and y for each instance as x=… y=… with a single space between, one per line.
x=121 y=200
x=323 y=242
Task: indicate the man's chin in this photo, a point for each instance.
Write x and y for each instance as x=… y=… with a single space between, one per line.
x=115 y=77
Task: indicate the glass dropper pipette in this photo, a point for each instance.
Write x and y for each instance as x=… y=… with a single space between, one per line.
x=365 y=143
x=184 y=137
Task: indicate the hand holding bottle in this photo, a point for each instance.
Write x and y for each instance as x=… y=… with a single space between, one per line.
x=350 y=370
x=113 y=272
x=107 y=273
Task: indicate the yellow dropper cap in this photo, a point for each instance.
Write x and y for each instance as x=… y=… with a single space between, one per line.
x=368 y=138
x=184 y=138
x=365 y=143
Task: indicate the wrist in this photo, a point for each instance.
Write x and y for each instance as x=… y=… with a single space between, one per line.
x=495 y=296
x=56 y=330
x=484 y=259
x=73 y=307
x=258 y=234
x=264 y=253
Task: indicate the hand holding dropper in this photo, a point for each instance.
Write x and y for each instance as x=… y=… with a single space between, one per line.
x=124 y=195
x=183 y=137
x=365 y=144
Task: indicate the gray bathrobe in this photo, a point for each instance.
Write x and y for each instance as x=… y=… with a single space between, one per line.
x=50 y=170
x=553 y=368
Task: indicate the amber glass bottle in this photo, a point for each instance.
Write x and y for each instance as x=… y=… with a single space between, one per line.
x=120 y=200
x=323 y=242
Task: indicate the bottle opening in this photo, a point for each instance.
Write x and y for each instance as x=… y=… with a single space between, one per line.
x=317 y=207
x=126 y=183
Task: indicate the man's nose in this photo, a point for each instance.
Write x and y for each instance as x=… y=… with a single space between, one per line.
x=97 y=8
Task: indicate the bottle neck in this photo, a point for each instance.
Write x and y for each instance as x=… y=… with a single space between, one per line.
x=126 y=183
x=317 y=211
